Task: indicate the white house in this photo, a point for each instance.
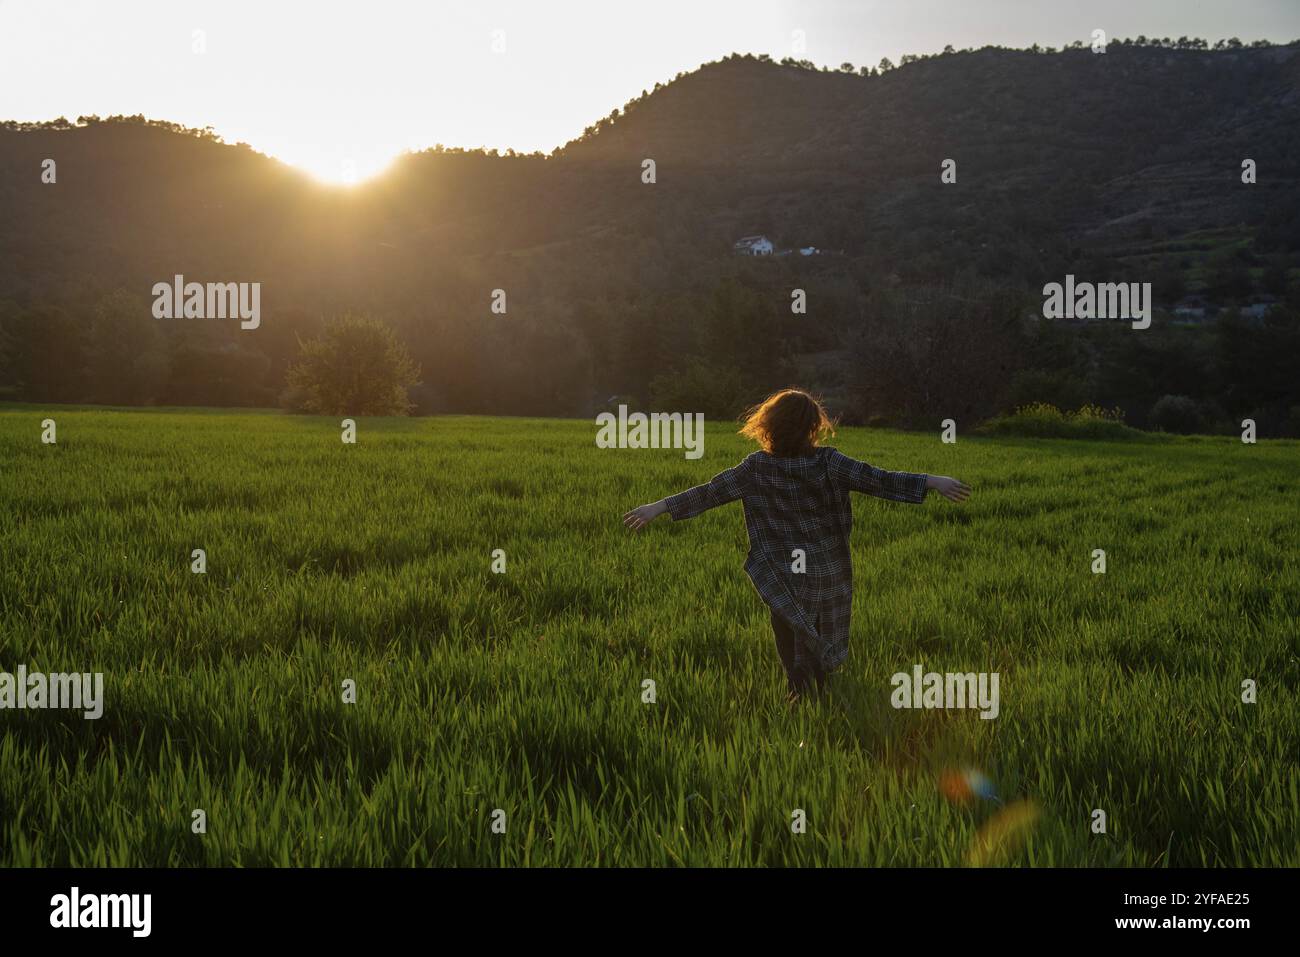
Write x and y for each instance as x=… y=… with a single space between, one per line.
x=1259 y=307
x=753 y=246
x=1191 y=307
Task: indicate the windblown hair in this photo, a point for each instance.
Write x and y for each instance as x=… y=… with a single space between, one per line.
x=788 y=423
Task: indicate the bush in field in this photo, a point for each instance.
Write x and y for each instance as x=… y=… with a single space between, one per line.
x=1041 y=420
x=357 y=366
x=1177 y=413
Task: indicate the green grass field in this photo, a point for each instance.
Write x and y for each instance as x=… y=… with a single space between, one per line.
x=523 y=691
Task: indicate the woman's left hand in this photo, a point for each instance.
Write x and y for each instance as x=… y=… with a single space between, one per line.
x=643 y=515
x=949 y=488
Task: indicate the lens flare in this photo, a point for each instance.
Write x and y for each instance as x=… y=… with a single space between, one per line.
x=962 y=787
x=1003 y=834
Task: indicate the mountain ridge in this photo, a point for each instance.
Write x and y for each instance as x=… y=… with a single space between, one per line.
x=1124 y=166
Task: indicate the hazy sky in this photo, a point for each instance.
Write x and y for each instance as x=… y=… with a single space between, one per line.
x=340 y=87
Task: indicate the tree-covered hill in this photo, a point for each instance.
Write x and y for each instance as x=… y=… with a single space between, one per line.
x=1117 y=166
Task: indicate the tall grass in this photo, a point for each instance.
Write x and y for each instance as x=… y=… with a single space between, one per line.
x=523 y=691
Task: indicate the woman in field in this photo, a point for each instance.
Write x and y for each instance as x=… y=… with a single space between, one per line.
x=797 y=512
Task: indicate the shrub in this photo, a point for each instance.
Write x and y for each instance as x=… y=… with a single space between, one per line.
x=357 y=366
x=1177 y=413
x=1041 y=420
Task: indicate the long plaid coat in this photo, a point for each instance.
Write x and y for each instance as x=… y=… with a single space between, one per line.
x=802 y=503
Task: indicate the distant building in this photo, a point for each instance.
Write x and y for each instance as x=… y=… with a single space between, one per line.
x=752 y=246
x=1259 y=307
x=1191 y=307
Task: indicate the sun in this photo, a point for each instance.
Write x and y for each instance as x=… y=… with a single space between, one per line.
x=338 y=166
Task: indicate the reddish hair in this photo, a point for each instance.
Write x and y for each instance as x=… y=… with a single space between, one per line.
x=788 y=423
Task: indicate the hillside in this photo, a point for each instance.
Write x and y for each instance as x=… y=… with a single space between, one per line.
x=1117 y=165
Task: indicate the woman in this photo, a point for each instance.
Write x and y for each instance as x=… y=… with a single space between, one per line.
x=798 y=514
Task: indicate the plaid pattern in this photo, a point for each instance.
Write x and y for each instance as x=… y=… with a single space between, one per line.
x=802 y=503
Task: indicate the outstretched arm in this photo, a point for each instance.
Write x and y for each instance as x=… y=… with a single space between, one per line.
x=726 y=486
x=852 y=475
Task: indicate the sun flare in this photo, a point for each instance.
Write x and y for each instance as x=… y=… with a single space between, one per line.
x=331 y=166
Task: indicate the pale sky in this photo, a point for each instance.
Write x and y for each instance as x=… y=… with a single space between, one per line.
x=339 y=88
